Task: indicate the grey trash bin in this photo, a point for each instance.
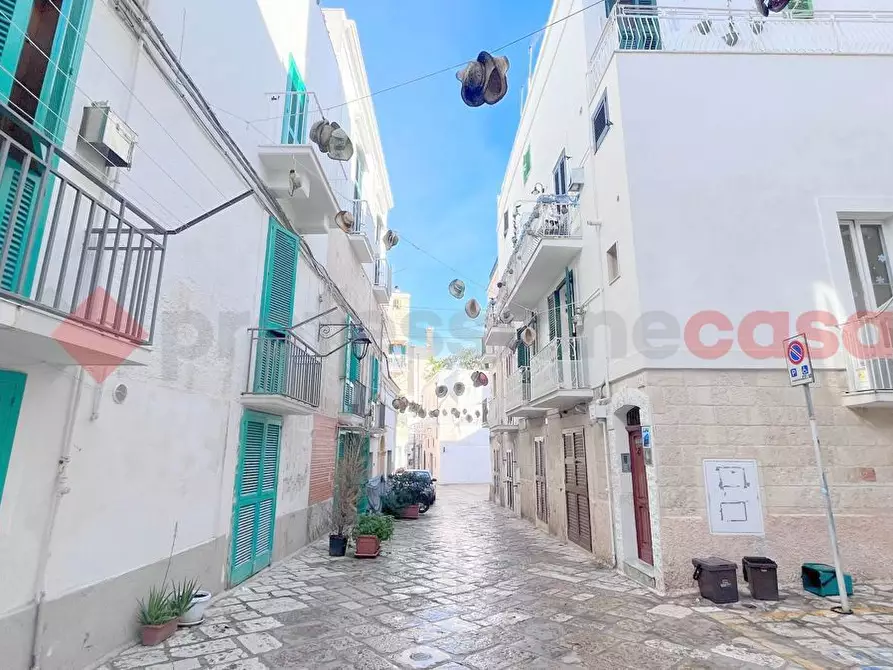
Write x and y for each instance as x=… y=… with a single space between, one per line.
x=717 y=578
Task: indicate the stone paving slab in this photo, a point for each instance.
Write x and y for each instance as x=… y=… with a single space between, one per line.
x=468 y=586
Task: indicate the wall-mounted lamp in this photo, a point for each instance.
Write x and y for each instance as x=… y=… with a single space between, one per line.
x=358 y=339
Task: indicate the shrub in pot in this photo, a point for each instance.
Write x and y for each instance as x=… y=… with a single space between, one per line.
x=350 y=476
x=190 y=602
x=157 y=616
x=370 y=531
x=406 y=492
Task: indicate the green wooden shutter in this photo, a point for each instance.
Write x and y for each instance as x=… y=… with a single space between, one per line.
x=374 y=384
x=65 y=60
x=350 y=368
x=12 y=389
x=254 y=509
x=24 y=220
x=280 y=276
x=294 y=120
x=801 y=9
x=14 y=17
x=569 y=301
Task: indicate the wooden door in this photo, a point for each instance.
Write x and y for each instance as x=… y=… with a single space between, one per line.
x=576 y=484
x=257 y=483
x=641 y=508
x=542 y=497
x=509 y=480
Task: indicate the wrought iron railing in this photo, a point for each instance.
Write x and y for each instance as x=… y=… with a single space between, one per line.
x=551 y=217
x=281 y=364
x=868 y=346
x=560 y=365
x=363 y=221
x=355 y=398
x=76 y=247
x=383 y=277
x=690 y=30
x=517 y=388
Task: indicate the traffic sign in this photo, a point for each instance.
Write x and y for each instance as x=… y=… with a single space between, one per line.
x=799 y=362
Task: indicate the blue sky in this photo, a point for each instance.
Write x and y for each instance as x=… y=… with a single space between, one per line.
x=445 y=160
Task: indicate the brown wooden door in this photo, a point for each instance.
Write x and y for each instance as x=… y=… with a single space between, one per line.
x=641 y=508
x=542 y=496
x=576 y=485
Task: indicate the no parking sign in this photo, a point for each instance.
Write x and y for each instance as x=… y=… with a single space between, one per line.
x=799 y=362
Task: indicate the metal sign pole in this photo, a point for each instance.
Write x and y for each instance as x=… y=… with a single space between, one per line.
x=826 y=494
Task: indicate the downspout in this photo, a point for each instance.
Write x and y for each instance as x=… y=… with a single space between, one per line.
x=60 y=488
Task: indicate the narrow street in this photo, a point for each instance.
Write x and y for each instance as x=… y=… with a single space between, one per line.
x=468 y=586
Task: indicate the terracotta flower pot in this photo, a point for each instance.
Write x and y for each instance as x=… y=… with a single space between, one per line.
x=368 y=546
x=411 y=512
x=152 y=635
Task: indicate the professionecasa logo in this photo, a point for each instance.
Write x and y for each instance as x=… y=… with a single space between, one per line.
x=100 y=335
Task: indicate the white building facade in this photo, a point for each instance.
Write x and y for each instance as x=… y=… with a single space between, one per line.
x=186 y=335
x=661 y=231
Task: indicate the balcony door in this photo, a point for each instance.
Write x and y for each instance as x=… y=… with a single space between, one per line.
x=868 y=264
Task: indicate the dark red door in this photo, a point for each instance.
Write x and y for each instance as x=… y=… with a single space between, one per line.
x=641 y=508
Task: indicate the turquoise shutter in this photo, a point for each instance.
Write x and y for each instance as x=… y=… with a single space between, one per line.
x=65 y=60
x=13 y=267
x=347 y=400
x=280 y=276
x=14 y=17
x=12 y=389
x=294 y=120
x=374 y=384
x=254 y=511
x=801 y=9
x=569 y=300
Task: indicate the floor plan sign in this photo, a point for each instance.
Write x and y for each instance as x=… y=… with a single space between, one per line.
x=733 y=497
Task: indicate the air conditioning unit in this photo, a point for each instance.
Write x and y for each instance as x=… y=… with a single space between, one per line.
x=578 y=178
x=108 y=134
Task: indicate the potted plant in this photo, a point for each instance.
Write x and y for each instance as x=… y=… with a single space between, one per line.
x=350 y=475
x=157 y=616
x=370 y=531
x=189 y=602
x=406 y=492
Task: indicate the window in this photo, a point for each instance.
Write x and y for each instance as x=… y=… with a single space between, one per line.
x=294 y=120
x=505 y=223
x=801 y=9
x=613 y=263
x=525 y=165
x=600 y=122
x=559 y=175
x=867 y=263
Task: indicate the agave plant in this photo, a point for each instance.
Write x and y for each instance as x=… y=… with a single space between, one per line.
x=181 y=595
x=158 y=608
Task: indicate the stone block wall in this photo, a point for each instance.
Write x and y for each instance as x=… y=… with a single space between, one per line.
x=701 y=414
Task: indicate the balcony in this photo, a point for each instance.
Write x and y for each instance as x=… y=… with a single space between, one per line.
x=382 y=283
x=497 y=333
x=353 y=404
x=558 y=374
x=306 y=182
x=517 y=395
x=497 y=420
x=550 y=238
x=363 y=231
x=80 y=272
x=736 y=31
x=284 y=375
x=379 y=423
x=868 y=347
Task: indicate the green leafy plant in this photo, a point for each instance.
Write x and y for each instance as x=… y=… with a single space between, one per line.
x=406 y=489
x=467 y=358
x=379 y=525
x=181 y=595
x=158 y=608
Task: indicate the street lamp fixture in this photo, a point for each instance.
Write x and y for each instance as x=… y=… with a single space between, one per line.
x=357 y=338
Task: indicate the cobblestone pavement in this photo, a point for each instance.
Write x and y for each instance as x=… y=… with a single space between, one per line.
x=466 y=586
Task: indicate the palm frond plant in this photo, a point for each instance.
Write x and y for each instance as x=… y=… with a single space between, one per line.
x=350 y=477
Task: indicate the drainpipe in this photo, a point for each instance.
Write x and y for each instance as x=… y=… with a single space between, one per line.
x=610 y=490
x=60 y=488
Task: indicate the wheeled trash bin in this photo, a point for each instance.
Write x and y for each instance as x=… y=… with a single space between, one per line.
x=717 y=578
x=761 y=575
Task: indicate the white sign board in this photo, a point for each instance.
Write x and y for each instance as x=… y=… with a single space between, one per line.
x=796 y=354
x=734 y=506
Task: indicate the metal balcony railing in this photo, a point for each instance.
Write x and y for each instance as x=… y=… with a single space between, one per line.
x=383 y=276
x=281 y=364
x=292 y=115
x=363 y=223
x=378 y=416
x=559 y=366
x=517 y=388
x=725 y=31
x=355 y=398
x=551 y=217
x=868 y=346
x=91 y=256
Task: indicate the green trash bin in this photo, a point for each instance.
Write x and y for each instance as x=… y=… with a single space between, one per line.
x=821 y=579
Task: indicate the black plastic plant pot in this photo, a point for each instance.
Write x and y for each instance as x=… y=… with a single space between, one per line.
x=337 y=545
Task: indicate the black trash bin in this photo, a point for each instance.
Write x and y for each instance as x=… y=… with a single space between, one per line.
x=717 y=578
x=761 y=575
